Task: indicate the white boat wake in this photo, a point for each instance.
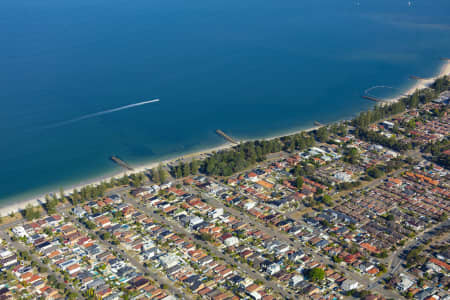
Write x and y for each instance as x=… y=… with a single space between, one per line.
x=105 y=112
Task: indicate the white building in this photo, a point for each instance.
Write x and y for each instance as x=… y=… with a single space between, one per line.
x=5 y=253
x=214 y=188
x=388 y=124
x=78 y=211
x=273 y=269
x=343 y=176
x=218 y=212
x=148 y=245
x=7 y=258
x=249 y=204
x=255 y=295
x=20 y=231
x=169 y=260
x=391 y=153
x=315 y=151
x=231 y=241
x=376 y=148
x=166 y=185
x=296 y=280
x=349 y=285
x=195 y=221
x=282 y=249
x=325 y=158
x=405 y=282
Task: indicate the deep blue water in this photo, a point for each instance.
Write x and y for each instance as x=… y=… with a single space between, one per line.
x=251 y=68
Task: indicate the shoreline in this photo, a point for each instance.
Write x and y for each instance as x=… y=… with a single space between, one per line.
x=18 y=206
x=421 y=83
x=40 y=199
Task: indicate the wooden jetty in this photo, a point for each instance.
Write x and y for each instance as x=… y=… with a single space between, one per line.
x=371 y=98
x=416 y=77
x=121 y=163
x=318 y=124
x=226 y=137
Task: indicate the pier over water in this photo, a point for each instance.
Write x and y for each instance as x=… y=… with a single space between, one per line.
x=226 y=137
x=121 y=163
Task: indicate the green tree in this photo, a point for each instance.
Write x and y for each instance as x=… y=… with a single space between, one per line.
x=186 y=170
x=105 y=236
x=382 y=254
x=414 y=100
x=411 y=124
x=31 y=213
x=162 y=174
x=61 y=194
x=178 y=172
x=50 y=204
x=322 y=134
x=337 y=259
x=441 y=84
x=316 y=274
x=299 y=182
x=326 y=199
x=375 y=172
x=194 y=167
x=75 y=197
x=205 y=237
x=88 y=223
x=72 y=295
x=155 y=176
x=390 y=217
x=227 y=162
x=415 y=257
x=351 y=155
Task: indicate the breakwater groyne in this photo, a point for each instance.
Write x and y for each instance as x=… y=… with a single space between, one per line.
x=121 y=163
x=226 y=137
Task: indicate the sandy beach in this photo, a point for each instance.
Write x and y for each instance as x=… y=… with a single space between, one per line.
x=39 y=200
x=18 y=206
x=423 y=83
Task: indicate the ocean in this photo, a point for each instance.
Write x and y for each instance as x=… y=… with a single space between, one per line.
x=250 y=68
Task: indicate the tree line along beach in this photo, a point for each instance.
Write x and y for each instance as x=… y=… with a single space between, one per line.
x=8 y=208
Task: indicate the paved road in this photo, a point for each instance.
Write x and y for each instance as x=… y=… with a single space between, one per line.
x=7 y=226
x=395 y=261
x=4 y=228
x=364 y=281
x=19 y=246
x=242 y=267
x=63 y=210
x=137 y=264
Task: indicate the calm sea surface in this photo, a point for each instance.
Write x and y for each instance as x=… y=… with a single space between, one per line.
x=251 y=68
